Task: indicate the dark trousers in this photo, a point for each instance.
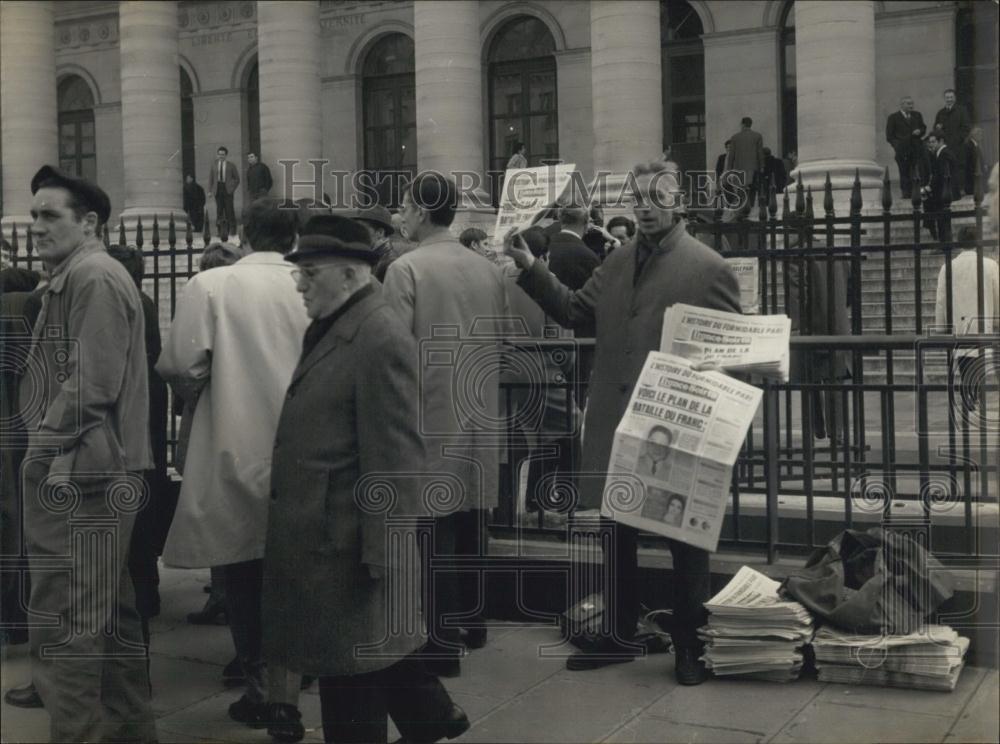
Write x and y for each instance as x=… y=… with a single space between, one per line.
x=244 y=585
x=939 y=226
x=905 y=161
x=691 y=585
x=449 y=593
x=354 y=707
x=224 y=209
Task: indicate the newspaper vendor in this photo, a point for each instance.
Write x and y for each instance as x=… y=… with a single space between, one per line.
x=626 y=296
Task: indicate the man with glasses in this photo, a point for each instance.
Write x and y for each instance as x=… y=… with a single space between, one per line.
x=626 y=296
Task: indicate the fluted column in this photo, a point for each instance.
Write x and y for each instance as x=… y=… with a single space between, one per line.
x=449 y=87
x=291 y=122
x=151 y=110
x=835 y=65
x=28 y=115
x=626 y=77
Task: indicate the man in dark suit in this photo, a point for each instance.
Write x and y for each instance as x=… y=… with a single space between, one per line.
x=569 y=258
x=939 y=191
x=223 y=180
x=746 y=156
x=774 y=173
x=258 y=178
x=904 y=130
x=974 y=162
x=627 y=296
x=194 y=203
x=720 y=162
x=954 y=123
x=336 y=583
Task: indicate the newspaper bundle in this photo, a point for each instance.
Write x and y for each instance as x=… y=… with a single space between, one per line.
x=929 y=659
x=674 y=449
x=747 y=272
x=528 y=193
x=752 y=632
x=737 y=343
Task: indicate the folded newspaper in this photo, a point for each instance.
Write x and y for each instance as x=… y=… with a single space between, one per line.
x=674 y=449
x=752 y=632
x=528 y=193
x=737 y=343
x=929 y=659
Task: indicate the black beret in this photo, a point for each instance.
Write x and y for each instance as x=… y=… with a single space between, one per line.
x=90 y=195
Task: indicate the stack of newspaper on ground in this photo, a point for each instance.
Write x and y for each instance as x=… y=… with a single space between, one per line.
x=929 y=659
x=736 y=343
x=752 y=632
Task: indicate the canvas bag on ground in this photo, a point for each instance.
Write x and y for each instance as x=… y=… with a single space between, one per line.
x=875 y=582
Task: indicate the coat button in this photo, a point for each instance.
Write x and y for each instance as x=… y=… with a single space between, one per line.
x=623 y=388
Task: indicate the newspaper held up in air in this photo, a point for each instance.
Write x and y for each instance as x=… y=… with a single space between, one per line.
x=674 y=449
x=528 y=193
x=752 y=632
x=737 y=343
x=747 y=272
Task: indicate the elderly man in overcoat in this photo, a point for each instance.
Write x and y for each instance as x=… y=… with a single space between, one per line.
x=339 y=601
x=450 y=299
x=627 y=296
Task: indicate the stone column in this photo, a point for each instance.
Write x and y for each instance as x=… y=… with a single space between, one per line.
x=627 y=85
x=151 y=113
x=835 y=64
x=450 y=93
x=291 y=121
x=29 y=120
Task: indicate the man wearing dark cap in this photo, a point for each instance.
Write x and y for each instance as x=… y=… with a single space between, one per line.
x=332 y=582
x=379 y=221
x=87 y=442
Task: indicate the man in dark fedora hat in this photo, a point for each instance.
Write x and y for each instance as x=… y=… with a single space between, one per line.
x=88 y=440
x=379 y=221
x=331 y=579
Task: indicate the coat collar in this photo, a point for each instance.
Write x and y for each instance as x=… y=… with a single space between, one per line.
x=344 y=329
x=272 y=258
x=88 y=247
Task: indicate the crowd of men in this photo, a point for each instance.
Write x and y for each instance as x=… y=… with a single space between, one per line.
x=339 y=393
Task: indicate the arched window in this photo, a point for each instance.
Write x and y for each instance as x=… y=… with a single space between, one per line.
x=77 y=142
x=522 y=90
x=251 y=112
x=187 y=125
x=390 y=115
x=976 y=69
x=682 y=59
x=789 y=99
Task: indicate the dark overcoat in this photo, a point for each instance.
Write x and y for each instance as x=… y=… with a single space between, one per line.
x=350 y=411
x=629 y=318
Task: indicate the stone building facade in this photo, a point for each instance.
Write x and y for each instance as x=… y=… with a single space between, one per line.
x=136 y=93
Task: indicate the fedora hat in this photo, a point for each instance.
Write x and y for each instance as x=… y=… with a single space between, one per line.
x=377 y=215
x=333 y=235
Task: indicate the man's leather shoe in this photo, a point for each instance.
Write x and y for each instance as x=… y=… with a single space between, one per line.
x=284 y=723
x=212 y=613
x=453 y=725
x=688 y=668
x=233 y=674
x=475 y=638
x=24 y=697
x=249 y=713
x=601 y=655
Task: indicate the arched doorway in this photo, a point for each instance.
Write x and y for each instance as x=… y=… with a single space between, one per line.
x=389 y=114
x=77 y=140
x=187 y=125
x=789 y=91
x=682 y=59
x=523 y=106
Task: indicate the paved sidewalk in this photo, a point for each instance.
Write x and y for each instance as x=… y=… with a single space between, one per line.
x=514 y=693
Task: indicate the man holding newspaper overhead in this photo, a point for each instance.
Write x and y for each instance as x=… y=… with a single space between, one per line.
x=626 y=297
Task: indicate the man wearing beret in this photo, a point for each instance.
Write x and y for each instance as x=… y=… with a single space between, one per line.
x=379 y=221
x=338 y=601
x=87 y=442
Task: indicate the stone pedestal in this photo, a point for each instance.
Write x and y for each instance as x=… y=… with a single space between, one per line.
x=626 y=81
x=151 y=115
x=836 y=97
x=449 y=86
x=291 y=121
x=28 y=102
